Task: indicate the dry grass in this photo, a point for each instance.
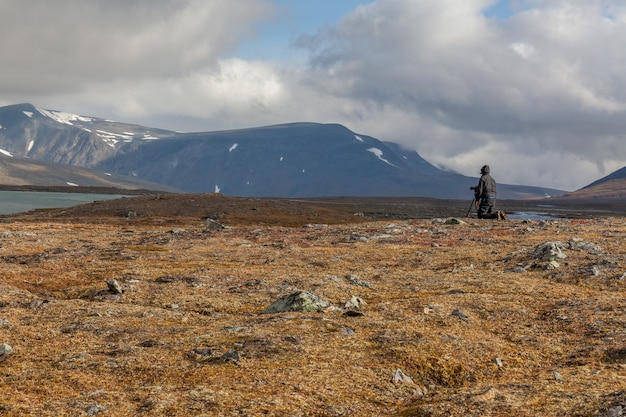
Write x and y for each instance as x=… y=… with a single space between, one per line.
x=192 y=295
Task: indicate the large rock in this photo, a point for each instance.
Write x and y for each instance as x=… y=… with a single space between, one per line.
x=549 y=251
x=302 y=301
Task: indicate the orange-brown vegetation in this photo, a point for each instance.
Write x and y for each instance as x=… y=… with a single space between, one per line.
x=449 y=305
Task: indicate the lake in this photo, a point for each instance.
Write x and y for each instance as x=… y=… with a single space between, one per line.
x=12 y=202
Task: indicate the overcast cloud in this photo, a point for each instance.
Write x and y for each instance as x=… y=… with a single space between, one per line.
x=540 y=94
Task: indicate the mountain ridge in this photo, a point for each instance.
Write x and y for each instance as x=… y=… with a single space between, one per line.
x=302 y=159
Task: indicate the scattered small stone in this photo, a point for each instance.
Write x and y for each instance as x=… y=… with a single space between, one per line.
x=230 y=356
x=616 y=411
x=454 y=220
x=213 y=225
x=165 y=280
x=115 y=286
x=558 y=376
x=348 y=331
x=36 y=304
x=460 y=314
x=354 y=280
x=499 y=362
x=333 y=278
x=178 y=231
x=452 y=292
x=203 y=352
x=355 y=303
x=92 y=410
x=5 y=351
x=150 y=343
x=355 y=238
x=451 y=220
x=401 y=377
x=235 y=328
x=315 y=226
x=553 y=265
x=580 y=245
x=488 y=395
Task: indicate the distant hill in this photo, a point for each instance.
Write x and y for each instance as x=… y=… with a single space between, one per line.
x=291 y=160
x=610 y=187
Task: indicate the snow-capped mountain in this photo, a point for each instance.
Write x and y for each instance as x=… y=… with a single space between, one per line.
x=290 y=160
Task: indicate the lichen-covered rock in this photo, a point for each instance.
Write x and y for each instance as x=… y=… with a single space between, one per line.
x=549 y=251
x=301 y=301
x=355 y=303
x=5 y=351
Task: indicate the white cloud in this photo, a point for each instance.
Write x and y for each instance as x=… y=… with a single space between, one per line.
x=539 y=95
x=546 y=81
x=53 y=47
x=524 y=50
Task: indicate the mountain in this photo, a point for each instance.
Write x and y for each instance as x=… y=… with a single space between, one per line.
x=290 y=160
x=610 y=187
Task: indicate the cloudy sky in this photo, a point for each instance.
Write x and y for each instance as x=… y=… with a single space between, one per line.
x=535 y=88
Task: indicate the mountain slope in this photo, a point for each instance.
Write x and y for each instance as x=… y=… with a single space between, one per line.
x=610 y=187
x=290 y=160
x=20 y=171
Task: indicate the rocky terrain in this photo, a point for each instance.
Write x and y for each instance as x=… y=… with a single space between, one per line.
x=204 y=305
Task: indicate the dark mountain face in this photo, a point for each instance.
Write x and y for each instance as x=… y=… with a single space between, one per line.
x=610 y=187
x=620 y=174
x=291 y=160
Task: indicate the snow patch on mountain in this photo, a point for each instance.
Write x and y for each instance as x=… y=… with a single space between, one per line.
x=379 y=155
x=111 y=138
x=63 y=117
x=358 y=138
x=30 y=146
x=28 y=113
x=7 y=153
x=232 y=148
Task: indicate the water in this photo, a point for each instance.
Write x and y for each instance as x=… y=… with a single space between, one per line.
x=12 y=202
x=530 y=215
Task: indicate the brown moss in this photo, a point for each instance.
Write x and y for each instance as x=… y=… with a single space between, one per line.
x=192 y=296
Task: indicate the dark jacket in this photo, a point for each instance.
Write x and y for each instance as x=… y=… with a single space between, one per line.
x=486 y=188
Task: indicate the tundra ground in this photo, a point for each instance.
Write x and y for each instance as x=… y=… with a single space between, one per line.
x=457 y=320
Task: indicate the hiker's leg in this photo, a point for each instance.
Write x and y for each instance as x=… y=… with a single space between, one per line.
x=484 y=210
x=489 y=212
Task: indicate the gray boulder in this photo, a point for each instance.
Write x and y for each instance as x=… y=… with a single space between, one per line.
x=549 y=251
x=301 y=301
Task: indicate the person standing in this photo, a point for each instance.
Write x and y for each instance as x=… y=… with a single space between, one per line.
x=485 y=196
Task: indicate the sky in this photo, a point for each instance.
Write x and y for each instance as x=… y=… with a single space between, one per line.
x=534 y=88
